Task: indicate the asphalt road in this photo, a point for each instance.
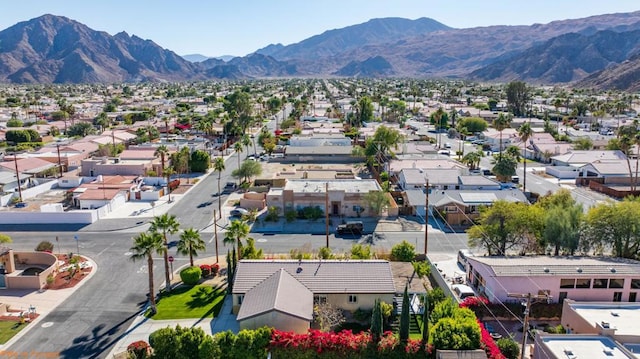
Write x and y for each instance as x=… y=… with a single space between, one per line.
x=90 y=322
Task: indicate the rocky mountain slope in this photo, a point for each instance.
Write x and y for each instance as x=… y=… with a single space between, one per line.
x=56 y=49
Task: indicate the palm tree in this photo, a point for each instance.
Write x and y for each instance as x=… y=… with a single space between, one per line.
x=166 y=224
x=144 y=246
x=168 y=172
x=472 y=159
x=236 y=232
x=525 y=132
x=218 y=165
x=500 y=124
x=238 y=148
x=190 y=242
x=162 y=151
x=246 y=142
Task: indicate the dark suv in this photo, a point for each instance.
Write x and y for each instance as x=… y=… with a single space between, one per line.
x=351 y=227
x=229 y=187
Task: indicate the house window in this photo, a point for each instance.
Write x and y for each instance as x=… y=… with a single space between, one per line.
x=473 y=209
x=319 y=299
x=617 y=296
x=567 y=283
x=635 y=284
x=353 y=298
x=632 y=296
x=616 y=283
x=600 y=283
x=583 y=283
x=240 y=299
x=451 y=209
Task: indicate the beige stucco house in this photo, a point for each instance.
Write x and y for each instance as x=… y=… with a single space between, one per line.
x=345 y=197
x=281 y=293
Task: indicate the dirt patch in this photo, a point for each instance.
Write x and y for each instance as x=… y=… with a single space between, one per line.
x=69 y=274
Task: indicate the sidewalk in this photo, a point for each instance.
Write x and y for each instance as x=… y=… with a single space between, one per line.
x=142 y=326
x=44 y=301
x=319 y=227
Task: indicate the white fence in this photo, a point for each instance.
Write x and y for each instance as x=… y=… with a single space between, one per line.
x=75 y=217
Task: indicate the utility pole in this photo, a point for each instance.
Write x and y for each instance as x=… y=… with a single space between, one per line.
x=15 y=161
x=326 y=211
x=215 y=232
x=526 y=302
x=426 y=218
x=59 y=161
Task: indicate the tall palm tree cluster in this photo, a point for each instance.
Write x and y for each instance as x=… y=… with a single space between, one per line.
x=155 y=241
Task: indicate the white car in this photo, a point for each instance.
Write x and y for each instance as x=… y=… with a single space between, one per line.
x=239 y=212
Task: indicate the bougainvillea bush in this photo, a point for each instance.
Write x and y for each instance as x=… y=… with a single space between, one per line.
x=139 y=350
x=341 y=345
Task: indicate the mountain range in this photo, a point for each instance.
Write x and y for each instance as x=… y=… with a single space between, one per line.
x=599 y=51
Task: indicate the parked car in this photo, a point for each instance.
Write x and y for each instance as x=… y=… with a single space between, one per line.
x=239 y=212
x=351 y=227
x=229 y=187
x=172 y=244
x=447 y=145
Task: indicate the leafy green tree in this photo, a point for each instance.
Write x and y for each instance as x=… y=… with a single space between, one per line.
x=249 y=251
x=365 y=110
x=247 y=170
x=14 y=122
x=562 y=228
x=504 y=167
x=473 y=124
x=376 y=200
x=190 y=243
x=583 y=144
x=403 y=252
x=180 y=160
x=165 y=224
x=145 y=245
x=405 y=317
x=200 y=161
x=517 y=97
x=237 y=231
x=507 y=225
x=614 y=226
x=80 y=129
x=240 y=109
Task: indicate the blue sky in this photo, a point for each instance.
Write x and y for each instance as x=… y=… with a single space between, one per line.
x=239 y=27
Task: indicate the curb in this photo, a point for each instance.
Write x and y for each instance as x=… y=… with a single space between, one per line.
x=40 y=318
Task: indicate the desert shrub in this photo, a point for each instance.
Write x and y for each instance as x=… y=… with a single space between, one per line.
x=191 y=275
x=291 y=215
x=272 y=214
x=44 y=246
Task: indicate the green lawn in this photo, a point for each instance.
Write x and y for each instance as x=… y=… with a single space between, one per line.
x=185 y=302
x=8 y=329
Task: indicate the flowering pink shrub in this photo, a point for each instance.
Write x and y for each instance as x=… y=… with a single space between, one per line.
x=206 y=270
x=488 y=344
x=342 y=345
x=215 y=268
x=472 y=302
x=139 y=349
